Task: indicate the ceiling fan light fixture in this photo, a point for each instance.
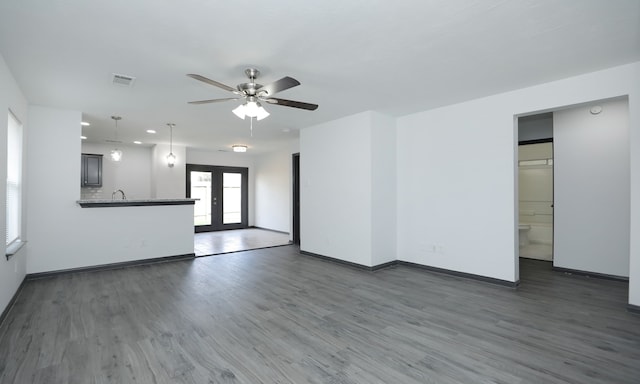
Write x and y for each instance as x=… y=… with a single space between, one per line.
x=239 y=111
x=252 y=93
x=251 y=108
x=261 y=114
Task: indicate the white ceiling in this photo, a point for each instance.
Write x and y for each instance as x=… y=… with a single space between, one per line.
x=350 y=56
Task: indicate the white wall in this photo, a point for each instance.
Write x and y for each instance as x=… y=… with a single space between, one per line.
x=347 y=192
x=633 y=79
x=456 y=188
x=168 y=183
x=273 y=189
x=12 y=272
x=63 y=235
x=457 y=167
x=230 y=159
x=335 y=189
x=132 y=174
x=592 y=188
x=383 y=189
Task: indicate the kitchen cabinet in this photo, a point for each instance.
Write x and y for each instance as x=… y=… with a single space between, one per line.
x=91 y=175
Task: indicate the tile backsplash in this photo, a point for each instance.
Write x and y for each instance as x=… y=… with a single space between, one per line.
x=91 y=193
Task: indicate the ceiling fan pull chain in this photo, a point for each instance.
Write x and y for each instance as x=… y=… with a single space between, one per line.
x=251 y=126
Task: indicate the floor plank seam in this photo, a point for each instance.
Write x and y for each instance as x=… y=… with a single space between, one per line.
x=245 y=250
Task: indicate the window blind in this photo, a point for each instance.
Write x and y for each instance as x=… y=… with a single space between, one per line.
x=14 y=179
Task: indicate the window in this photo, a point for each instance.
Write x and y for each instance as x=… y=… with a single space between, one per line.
x=14 y=182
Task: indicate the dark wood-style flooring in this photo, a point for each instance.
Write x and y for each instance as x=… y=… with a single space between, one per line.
x=275 y=316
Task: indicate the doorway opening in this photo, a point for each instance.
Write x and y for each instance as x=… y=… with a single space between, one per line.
x=296 y=197
x=535 y=186
x=583 y=179
x=223 y=197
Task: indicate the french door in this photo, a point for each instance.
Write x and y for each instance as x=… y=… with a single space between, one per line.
x=223 y=197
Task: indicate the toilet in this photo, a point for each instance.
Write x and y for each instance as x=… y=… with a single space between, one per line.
x=523 y=230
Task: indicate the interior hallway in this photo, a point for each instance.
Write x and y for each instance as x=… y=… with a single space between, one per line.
x=215 y=243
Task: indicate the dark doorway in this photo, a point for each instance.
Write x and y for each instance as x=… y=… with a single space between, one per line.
x=223 y=197
x=296 y=198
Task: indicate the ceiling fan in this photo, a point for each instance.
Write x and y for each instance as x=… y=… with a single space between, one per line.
x=253 y=93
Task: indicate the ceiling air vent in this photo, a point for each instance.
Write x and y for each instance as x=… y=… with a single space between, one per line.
x=123 y=80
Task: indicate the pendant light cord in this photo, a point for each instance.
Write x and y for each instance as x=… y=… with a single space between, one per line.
x=171 y=125
x=116 y=118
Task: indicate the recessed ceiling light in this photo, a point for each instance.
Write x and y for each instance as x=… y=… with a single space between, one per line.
x=85 y=124
x=83 y=137
x=137 y=142
x=239 y=148
x=151 y=131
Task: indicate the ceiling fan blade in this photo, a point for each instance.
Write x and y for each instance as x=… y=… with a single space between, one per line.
x=213 y=100
x=212 y=82
x=291 y=103
x=279 y=86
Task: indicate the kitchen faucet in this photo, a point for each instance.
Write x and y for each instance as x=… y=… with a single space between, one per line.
x=113 y=195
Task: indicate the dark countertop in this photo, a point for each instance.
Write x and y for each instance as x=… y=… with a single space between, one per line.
x=133 y=203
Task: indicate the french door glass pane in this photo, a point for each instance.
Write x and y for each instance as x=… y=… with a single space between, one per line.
x=201 y=189
x=231 y=198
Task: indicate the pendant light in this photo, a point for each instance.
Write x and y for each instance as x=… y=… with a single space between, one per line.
x=171 y=158
x=116 y=154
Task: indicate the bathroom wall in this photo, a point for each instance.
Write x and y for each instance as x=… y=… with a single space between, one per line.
x=535 y=188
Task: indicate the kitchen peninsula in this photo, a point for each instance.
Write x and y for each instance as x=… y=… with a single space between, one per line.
x=119 y=233
x=102 y=203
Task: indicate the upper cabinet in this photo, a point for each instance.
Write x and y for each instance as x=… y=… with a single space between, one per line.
x=91 y=175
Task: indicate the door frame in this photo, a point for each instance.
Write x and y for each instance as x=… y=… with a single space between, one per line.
x=217 y=195
x=295 y=167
